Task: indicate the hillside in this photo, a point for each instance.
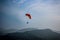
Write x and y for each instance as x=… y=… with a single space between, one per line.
x=45 y=34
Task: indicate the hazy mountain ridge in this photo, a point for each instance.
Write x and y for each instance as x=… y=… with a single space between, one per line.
x=33 y=34
x=26 y=29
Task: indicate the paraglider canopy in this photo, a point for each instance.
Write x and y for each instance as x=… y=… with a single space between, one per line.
x=27 y=14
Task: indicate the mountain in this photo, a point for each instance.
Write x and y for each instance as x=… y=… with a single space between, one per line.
x=35 y=34
x=58 y=31
x=26 y=29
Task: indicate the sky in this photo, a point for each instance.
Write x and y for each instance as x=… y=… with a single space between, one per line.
x=45 y=14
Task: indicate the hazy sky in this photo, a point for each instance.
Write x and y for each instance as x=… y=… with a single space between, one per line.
x=45 y=14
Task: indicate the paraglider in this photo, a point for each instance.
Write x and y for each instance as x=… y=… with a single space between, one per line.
x=28 y=15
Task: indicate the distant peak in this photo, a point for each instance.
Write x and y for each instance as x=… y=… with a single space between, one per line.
x=26 y=29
